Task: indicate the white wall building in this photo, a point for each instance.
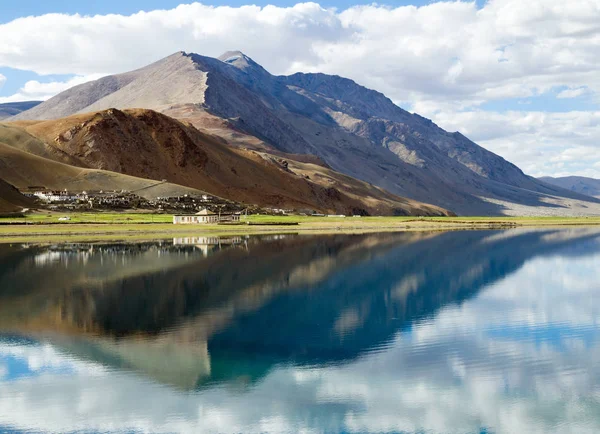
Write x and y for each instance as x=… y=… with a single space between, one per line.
x=56 y=196
x=204 y=217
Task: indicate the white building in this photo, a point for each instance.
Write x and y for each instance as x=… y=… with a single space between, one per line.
x=204 y=217
x=56 y=196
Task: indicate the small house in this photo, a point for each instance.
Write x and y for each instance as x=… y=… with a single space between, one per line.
x=204 y=217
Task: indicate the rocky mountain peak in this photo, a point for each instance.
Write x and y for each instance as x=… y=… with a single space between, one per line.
x=242 y=62
x=236 y=58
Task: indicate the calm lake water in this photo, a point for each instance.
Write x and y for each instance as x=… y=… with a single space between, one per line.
x=462 y=332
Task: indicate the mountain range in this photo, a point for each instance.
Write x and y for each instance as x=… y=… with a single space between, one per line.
x=10 y=109
x=327 y=130
x=578 y=184
x=138 y=145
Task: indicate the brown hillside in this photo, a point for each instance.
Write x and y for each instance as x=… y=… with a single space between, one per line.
x=23 y=169
x=146 y=144
x=15 y=135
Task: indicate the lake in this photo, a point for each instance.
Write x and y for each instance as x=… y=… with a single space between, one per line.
x=461 y=332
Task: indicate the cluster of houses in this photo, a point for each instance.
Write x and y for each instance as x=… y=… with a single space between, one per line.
x=215 y=210
x=51 y=196
x=64 y=199
x=69 y=197
x=120 y=200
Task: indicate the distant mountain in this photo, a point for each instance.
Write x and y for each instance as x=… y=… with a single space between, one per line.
x=145 y=145
x=578 y=184
x=355 y=130
x=14 y=108
x=11 y=200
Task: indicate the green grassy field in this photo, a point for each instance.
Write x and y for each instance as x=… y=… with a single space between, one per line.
x=468 y=220
x=100 y=217
x=52 y=217
x=116 y=226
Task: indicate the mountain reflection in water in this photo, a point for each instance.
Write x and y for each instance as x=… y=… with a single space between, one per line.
x=460 y=331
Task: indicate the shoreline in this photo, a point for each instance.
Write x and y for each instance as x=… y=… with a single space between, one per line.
x=140 y=230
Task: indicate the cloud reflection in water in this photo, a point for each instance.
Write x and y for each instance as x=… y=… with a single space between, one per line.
x=453 y=332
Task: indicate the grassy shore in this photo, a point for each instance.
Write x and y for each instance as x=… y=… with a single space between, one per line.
x=119 y=226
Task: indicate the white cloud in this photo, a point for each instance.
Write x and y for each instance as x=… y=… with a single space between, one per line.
x=114 y=43
x=540 y=143
x=441 y=58
x=42 y=357
x=34 y=90
x=572 y=93
x=448 y=52
x=2 y=80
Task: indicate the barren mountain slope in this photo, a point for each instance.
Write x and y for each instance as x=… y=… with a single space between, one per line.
x=578 y=184
x=146 y=144
x=355 y=130
x=15 y=135
x=23 y=169
x=349 y=152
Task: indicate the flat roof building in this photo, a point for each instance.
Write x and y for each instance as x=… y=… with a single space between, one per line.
x=205 y=216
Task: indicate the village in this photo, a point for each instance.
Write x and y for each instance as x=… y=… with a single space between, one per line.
x=64 y=200
x=186 y=209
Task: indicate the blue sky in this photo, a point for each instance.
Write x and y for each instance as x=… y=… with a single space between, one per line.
x=519 y=78
x=12 y=10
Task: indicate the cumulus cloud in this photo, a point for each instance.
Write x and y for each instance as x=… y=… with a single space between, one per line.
x=444 y=57
x=572 y=93
x=540 y=143
x=448 y=51
x=34 y=90
x=115 y=43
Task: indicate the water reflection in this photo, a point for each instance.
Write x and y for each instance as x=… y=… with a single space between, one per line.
x=460 y=332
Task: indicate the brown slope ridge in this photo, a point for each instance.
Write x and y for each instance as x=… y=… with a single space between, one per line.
x=11 y=200
x=145 y=144
x=23 y=169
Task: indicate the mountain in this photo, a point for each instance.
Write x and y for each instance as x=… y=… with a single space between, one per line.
x=354 y=130
x=14 y=108
x=11 y=200
x=23 y=170
x=146 y=145
x=578 y=184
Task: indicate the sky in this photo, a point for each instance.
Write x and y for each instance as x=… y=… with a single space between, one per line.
x=519 y=78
